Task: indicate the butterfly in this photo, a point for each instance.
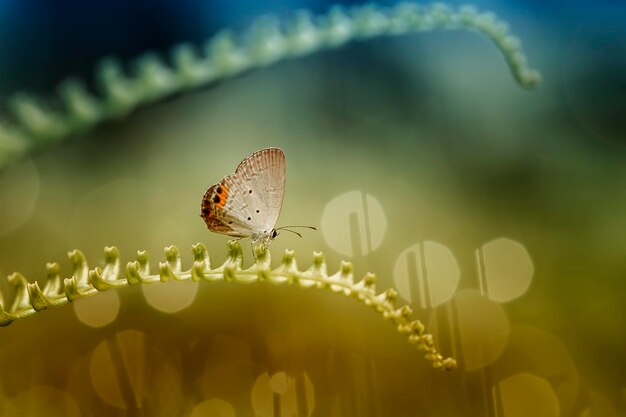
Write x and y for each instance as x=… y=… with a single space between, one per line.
x=248 y=202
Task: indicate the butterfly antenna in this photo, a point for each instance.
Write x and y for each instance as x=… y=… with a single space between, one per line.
x=306 y=227
x=292 y=231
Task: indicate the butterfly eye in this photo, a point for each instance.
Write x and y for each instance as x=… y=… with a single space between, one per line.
x=274 y=233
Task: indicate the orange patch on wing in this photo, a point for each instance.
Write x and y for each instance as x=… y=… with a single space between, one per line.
x=223 y=195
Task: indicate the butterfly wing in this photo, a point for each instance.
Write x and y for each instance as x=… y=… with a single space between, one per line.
x=249 y=201
x=211 y=211
x=264 y=172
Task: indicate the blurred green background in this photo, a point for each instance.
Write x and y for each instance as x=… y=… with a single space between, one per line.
x=498 y=213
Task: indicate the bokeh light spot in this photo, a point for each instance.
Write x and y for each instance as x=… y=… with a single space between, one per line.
x=213 y=407
x=279 y=383
x=171 y=296
x=98 y=311
x=119 y=363
x=483 y=329
x=20 y=190
x=428 y=273
x=354 y=223
x=527 y=395
x=55 y=402
x=505 y=269
x=104 y=378
x=291 y=395
x=543 y=354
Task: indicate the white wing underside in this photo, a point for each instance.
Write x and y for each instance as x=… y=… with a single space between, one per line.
x=255 y=193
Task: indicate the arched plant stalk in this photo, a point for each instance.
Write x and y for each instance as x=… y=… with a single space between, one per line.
x=38 y=125
x=30 y=298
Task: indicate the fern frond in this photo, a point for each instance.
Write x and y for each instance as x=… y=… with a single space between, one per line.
x=226 y=55
x=84 y=282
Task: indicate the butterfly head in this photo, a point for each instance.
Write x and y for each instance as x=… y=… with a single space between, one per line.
x=265 y=237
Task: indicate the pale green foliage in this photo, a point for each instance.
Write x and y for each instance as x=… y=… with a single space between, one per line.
x=85 y=282
x=225 y=55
